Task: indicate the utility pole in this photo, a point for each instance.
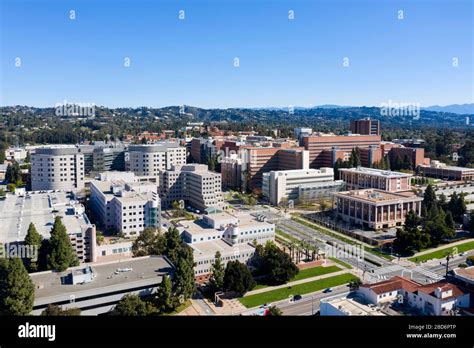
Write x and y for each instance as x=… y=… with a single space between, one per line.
x=448 y=257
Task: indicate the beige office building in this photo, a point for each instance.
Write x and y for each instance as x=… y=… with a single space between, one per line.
x=153 y=158
x=376 y=209
x=57 y=167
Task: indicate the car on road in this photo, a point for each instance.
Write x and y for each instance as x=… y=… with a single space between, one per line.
x=297 y=297
x=328 y=290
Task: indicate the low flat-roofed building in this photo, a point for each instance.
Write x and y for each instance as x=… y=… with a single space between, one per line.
x=347 y=307
x=376 y=209
x=363 y=177
x=102 y=287
x=439 y=298
x=442 y=171
x=204 y=255
x=18 y=211
x=466 y=275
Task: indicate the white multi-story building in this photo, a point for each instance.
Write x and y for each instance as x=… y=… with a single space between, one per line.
x=17 y=154
x=153 y=158
x=299 y=184
x=125 y=205
x=230 y=234
x=57 y=167
x=194 y=184
x=17 y=212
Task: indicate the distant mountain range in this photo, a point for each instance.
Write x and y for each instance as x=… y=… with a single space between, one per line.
x=461 y=109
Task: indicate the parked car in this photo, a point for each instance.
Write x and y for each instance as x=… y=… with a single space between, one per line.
x=327 y=290
x=297 y=297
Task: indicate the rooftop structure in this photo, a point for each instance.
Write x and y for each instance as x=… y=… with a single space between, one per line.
x=465 y=275
x=347 y=307
x=97 y=287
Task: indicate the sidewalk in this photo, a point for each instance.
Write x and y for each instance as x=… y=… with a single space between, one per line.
x=301 y=281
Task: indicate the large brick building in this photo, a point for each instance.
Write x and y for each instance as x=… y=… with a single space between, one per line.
x=361 y=177
x=326 y=149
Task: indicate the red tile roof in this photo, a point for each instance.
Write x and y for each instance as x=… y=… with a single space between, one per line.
x=397 y=283
x=393 y=284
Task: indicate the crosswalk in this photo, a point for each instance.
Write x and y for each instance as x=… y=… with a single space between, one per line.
x=427 y=273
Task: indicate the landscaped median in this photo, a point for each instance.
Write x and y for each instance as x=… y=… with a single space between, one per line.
x=328 y=232
x=439 y=254
x=301 y=289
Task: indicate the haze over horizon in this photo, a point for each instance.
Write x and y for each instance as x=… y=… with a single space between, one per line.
x=282 y=61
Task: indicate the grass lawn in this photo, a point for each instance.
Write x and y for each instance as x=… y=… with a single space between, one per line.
x=180 y=308
x=342 y=263
x=305 y=288
x=439 y=254
x=314 y=272
x=306 y=273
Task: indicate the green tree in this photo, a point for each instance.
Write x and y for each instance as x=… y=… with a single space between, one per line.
x=274 y=311
x=276 y=264
x=173 y=244
x=11 y=188
x=450 y=221
x=429 y=198
x=216 y=280
x=164 y=300
x=133 y=305
x=2 y=193
x=13 y=173
x=16 y=288
x=57 y=311
x=61 y=255
x=149 y=242
x=238 y=278
x=184 y=285
x=34 y=240
x=355 y=284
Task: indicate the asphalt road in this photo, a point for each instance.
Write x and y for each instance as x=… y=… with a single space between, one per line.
x=309 y=304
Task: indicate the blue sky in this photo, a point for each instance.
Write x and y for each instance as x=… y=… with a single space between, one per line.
x=282 y=62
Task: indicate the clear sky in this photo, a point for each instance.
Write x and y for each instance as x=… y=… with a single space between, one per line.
x=282 y=61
